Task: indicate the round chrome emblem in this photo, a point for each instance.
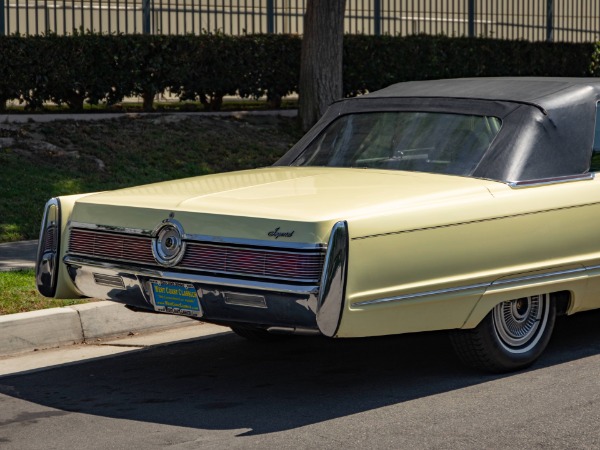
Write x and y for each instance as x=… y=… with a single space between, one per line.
x=168 y=246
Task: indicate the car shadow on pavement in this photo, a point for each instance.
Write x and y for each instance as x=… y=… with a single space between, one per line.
x=227 y=383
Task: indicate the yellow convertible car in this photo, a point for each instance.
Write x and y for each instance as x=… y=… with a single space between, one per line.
x=466 y=205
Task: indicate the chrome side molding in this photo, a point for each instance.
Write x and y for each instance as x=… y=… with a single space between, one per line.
x=460 y=289
x=332 y=294
x=475 y=288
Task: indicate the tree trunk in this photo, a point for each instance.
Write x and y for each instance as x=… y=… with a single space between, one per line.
x=148 y=97
x=321 y=60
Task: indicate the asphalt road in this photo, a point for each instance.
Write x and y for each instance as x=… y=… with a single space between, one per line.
x=393 y=392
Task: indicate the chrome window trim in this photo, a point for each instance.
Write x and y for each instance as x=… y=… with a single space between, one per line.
x=550 y=181
x=203 y=238
x=472 y=287
x=193 y=278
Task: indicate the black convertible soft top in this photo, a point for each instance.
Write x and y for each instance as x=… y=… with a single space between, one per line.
x=547 y=123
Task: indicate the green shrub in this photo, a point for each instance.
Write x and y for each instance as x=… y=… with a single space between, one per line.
x=271 y=66
x=148 y=65
x=96 y=68
x=373 y=62
x=208 y=69
x=82 y=69
x=13 y=55
x=595 y=61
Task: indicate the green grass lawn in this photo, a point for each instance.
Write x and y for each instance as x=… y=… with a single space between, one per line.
x=19 y=294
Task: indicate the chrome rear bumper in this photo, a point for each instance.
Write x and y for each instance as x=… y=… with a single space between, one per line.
x=271 y=305
x=222 y=300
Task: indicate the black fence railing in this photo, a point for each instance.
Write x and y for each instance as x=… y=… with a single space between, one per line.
x=534 y=20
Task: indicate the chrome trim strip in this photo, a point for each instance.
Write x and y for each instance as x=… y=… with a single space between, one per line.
x=538 y=276
x=254 y=242
x=110 y=229
x=84 y=257
x=192 y=278
x=423 y=294
x=330 y=303
x=549 y=181
x=502 y=282
x=203 y=238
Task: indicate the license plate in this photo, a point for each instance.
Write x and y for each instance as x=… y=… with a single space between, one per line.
x=175 y=298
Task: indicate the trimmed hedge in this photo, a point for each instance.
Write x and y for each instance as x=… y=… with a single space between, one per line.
x=96 y=68
x=374 y=62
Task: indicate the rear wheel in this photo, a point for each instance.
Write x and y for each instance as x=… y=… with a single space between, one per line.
x=511 y=337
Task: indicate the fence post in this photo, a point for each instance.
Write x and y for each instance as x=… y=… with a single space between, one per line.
x=471 y=18
x=146 y=16
x=270 y=17
x=2 y=24
x=377 y=17
x=549 y=20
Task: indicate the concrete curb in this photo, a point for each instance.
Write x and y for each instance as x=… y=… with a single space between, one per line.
x=55 y=327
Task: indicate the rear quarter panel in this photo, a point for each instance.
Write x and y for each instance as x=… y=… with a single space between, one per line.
x=509 y=235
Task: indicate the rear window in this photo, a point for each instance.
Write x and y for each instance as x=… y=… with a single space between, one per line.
x=413 y=141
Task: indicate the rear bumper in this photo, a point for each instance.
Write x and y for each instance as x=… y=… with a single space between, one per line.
x=296 y=308
x=227 y=301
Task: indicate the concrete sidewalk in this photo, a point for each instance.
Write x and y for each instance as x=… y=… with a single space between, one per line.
x=73 y=324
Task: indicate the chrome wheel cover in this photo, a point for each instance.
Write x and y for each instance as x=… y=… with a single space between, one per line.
x=520 y=323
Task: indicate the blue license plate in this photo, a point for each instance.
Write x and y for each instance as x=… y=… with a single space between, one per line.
x=175 y=298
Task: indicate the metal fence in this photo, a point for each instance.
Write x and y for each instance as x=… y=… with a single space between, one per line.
x=535 y=20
